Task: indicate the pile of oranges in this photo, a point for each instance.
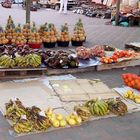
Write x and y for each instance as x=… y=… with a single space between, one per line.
x=132 y=80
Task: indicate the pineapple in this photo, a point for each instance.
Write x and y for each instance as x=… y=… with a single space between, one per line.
x=18 y=37
x=64 y=36
x=34 y=37
x=79 y=32
x=3 y=39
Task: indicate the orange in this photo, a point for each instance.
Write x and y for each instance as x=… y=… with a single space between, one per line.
x=132 y=83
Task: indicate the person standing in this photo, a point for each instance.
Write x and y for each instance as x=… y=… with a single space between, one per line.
x=63 y=4
x=102 y=1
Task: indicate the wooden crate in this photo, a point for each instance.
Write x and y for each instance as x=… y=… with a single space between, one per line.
x=69 y=71
x=123 y=64
x=133 y=46
x=21 y=73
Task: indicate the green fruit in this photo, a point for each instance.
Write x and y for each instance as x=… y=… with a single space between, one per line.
x=71 y=122
x=63 y=123
x=55 y=123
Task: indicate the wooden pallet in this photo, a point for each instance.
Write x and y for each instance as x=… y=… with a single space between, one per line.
x=69 y=71
x=123 y=64
x=133 y=46
x=21 y=73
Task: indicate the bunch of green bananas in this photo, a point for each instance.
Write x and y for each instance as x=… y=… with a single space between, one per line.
x=14 y=110
x=7 y=62
x=98 y=107
x=42 y=123
x=23 y=126
x=33 y=60
x=117 y=107
x=30 y=60
x=21 y=62
x=83 y=112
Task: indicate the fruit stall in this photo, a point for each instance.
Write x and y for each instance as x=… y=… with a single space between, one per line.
x=60 y=102
x=29 y=51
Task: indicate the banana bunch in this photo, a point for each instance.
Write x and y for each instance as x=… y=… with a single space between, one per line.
x=117 y=107
x=14 y=110
x=21 y=62
x=83 y=112
x=98 y=107
x=33 y=60
x=42 y=123
x=23 y=126
x=32 y=113
x=7 y=62
x=30 y=60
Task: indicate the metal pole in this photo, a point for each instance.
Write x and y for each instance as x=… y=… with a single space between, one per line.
x=28 y=3
x=117 y=12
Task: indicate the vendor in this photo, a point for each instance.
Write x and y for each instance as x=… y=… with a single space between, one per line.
x=63 y=4
x=122 y=18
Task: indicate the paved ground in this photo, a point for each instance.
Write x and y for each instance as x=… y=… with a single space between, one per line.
x=122 y=128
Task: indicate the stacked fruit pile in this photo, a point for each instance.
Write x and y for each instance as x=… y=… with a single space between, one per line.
x=34 y=38
x=98 y=107
x=9 y=29
x=21 y=57
x=132 y=96
x=132 y=80
x=24 y=119
x=26 y=30
x=58 y=120
x=64 y=38
x=49 y=36
x=60 y=59
x=117 y=107
x=3 y=39
x=83 y=111
x=29 y=119
x=83 y=53
x=86 y=53
x=79 y=34
x=18 y=37
x=116 y=56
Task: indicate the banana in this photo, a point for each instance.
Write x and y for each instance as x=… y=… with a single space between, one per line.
x=102 y=108
x=96 y=109
x=16 y=129
x=42 y=125
x=21 y=111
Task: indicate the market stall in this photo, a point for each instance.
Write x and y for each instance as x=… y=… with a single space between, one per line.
x=50 y=103
x=60 y=102
x=31 y=51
